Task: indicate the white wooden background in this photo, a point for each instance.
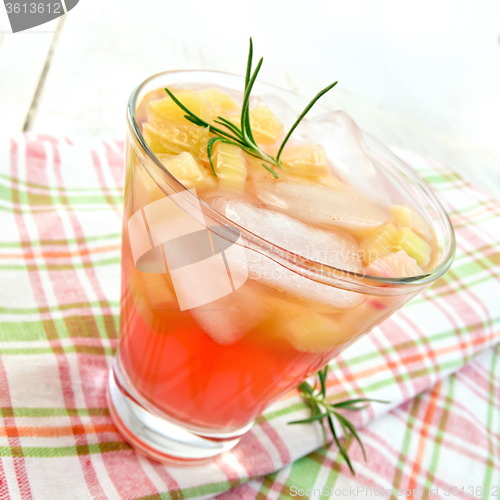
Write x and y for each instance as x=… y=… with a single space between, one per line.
x=426 y=79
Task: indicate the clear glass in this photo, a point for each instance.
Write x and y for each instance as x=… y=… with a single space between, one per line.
x=182 y=395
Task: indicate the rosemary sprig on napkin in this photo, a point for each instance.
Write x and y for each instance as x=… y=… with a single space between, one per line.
x=321 y=410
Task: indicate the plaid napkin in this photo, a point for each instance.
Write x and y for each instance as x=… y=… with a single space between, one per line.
x=436 y=361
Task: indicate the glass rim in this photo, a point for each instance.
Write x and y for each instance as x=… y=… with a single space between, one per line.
x=349 y=278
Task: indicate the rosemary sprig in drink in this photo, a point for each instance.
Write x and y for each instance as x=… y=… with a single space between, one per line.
x=315 y=398
x=242 y=136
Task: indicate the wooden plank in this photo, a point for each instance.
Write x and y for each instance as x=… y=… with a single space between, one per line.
x=23 y=57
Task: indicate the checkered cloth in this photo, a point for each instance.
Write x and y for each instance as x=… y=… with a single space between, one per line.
x=436 y=361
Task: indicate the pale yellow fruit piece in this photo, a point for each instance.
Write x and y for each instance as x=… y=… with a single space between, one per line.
x=266 y=128
x=414 y=246
x=255 y=168
x=141 y=112
x=225 y=102
x=260 y=174
x=158 y=291
x=281 y=305
x=167 y=110
x=175 y=138
x=380 y=242
x=145 y=190
x=395 y=265
x=307 y=160
x=140 y=188
x=152 y=292
x=313 y=333
x=188 y=171
x=229 y=164
x=405 y=216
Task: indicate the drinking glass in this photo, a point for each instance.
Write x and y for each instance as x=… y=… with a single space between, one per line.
x=208 y=339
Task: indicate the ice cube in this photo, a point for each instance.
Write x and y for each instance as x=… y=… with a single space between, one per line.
x=343 y=141
x=342 y=208
x=333 y=248
x=227 y=319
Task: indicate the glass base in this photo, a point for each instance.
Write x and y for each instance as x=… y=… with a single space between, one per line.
x=159 y=438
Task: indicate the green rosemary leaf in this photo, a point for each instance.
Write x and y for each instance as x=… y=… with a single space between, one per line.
x=210 y=147
x=249 y=63
x=307 y=394
x=304 y=113
x=251 y=152
x=306 y=388
x=339 y=444
x=346 y=405
x=197 y=120
x=322 y=377
x=245 y=107
x=351 y=427
x=230 y=125
x=269 y=169
x=179 y=103
x=344 y=428
x=247 y=131
x=319 y=416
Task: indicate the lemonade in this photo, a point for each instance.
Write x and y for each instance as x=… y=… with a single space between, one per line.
x=285 y=234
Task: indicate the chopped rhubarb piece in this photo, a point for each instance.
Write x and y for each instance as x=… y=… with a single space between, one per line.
x=229 y=164
x=415 y=246
x=380 y=243
x=394 y=265
x=405 y=216
x=188 y=171
x=266 y=128
x=306 y=160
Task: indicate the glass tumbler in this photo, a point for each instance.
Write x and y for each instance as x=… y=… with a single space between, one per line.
x=207 y=339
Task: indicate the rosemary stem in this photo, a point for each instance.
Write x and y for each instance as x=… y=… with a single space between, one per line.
x=243 y=136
